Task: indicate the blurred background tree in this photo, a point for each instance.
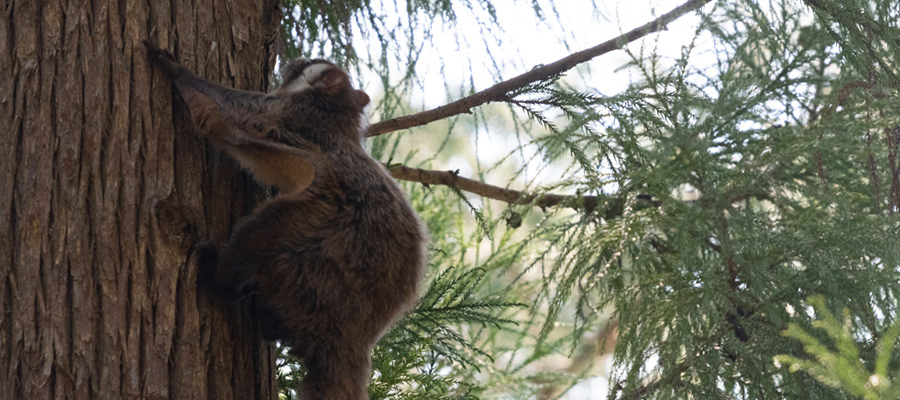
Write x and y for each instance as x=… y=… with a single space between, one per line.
x=643 y=220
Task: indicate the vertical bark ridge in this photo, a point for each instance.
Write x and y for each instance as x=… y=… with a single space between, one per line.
x=9 y=145
x=30 y=203
x=68 y=200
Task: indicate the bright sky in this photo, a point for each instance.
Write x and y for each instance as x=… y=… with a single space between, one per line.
x=528 y=41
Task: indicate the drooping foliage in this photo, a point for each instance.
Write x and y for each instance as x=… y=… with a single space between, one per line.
x=755 y=167
x=862 y=369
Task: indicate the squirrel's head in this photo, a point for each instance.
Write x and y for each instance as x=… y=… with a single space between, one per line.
x=323 y=78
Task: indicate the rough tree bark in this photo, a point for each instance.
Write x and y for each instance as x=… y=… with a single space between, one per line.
x=103 y=188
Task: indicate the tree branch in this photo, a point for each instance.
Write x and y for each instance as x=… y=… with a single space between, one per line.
x=500 y=90
x=453 y=180
x=613 y=206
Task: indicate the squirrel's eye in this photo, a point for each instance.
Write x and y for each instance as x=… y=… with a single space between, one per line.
x=305 y=63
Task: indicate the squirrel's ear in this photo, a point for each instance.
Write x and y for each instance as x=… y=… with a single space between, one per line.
x=360 y=98
x=332 y=80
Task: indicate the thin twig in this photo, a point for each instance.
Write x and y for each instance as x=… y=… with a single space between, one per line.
x=602 y=344
x=544 y=72
x=650 y=387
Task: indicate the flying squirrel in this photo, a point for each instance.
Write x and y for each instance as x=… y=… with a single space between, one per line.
x=337 y=256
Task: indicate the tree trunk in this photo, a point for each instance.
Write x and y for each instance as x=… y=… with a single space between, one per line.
x=103 y=190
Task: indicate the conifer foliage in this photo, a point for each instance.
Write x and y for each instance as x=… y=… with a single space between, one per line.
x=718 y=211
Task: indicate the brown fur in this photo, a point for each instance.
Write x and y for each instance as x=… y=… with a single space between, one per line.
x=338 y=255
